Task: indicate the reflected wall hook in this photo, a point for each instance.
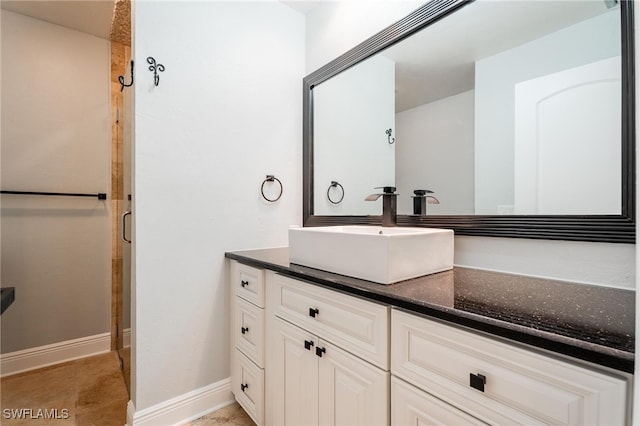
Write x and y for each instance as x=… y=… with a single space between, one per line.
x=121 y=79
x=271 y=178
x=155 y=68
x=389 y=138
x=335 y=184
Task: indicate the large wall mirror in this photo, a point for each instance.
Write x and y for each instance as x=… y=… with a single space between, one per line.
x=494 y=118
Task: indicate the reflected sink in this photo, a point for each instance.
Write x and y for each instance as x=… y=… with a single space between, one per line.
x=384 y=255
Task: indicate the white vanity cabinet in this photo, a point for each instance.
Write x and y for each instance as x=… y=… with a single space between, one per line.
x=324 y=356
x=303 y=354
x=496 y=382
x=247 y=338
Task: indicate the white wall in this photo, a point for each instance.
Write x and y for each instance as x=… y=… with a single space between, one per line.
x=226 y=113
x=437 y=154
x=56 y=137
x=351 y=113
x=333 y=28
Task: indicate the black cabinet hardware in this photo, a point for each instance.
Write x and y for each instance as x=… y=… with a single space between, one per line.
x=313 y=312
x=320 y=351
x=477 y=381
x=244 y=386
x=244 y=283
x=244 y=329
x=308 y=344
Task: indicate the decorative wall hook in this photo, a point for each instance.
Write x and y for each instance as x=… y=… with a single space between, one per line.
x=335 y=184
x=121 y=79
x=389 y=138
x=155 y=68
x=271 y=178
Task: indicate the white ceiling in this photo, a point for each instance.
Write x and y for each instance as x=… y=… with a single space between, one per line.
x=89 y=16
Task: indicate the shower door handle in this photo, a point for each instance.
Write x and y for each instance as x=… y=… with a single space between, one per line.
x=123 y=236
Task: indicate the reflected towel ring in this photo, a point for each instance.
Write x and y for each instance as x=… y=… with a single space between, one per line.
x=335 y=184
x=271 y=178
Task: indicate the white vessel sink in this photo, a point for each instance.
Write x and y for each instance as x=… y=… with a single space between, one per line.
x=383 y=255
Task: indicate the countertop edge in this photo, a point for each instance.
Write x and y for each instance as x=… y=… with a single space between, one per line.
x=555 y=343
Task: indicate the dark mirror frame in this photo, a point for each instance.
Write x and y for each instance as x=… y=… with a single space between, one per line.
x=600 y=228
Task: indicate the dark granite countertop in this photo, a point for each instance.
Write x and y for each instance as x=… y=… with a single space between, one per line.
x=592 y=323
x=7 y=296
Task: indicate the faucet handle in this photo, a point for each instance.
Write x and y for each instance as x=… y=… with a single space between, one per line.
x=387 y=189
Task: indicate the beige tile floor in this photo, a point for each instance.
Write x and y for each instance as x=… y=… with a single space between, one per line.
x=90 y=391
x=86 y=392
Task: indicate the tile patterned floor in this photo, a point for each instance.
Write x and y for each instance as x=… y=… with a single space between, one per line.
x=86 y=392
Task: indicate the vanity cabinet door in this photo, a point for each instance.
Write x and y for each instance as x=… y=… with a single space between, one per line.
x=411 y=406
x=292 y=376
x=351 y=391
x=313 y=382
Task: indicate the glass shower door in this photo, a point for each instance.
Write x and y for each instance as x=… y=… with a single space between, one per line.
x=125 y=119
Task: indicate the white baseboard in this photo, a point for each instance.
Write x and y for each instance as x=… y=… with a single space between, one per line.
x=183 y=408
x=55 y=353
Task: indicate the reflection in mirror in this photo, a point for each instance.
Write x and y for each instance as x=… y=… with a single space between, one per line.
x=501 y=108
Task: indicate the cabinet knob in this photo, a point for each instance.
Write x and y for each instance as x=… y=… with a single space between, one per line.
x=320 y=351
x=308 y=344
x=244 y=283
x=313 y=312
x=244 y=386
x=477 y=381
x=244 y=330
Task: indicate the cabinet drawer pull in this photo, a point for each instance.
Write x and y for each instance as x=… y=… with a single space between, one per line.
x=320 y=351
x=477 y=381
x=244 y=386
x=313 y=312
x=244 y=330
x=308 y=344
x=244 y=283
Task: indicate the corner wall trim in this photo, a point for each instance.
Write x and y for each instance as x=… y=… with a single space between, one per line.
x=55 y=353
x=183 y=408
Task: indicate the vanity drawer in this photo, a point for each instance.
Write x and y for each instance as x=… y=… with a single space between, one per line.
x=248 y=283
x=249 y=387
x=358 y=326
x=249 y=330
x=412 y=406
x=520 y=386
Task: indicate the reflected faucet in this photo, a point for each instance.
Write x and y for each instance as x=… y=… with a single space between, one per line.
x=389 y=204
x=421 y=199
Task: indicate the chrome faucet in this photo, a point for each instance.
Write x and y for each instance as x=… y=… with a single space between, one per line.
x=389 y=204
